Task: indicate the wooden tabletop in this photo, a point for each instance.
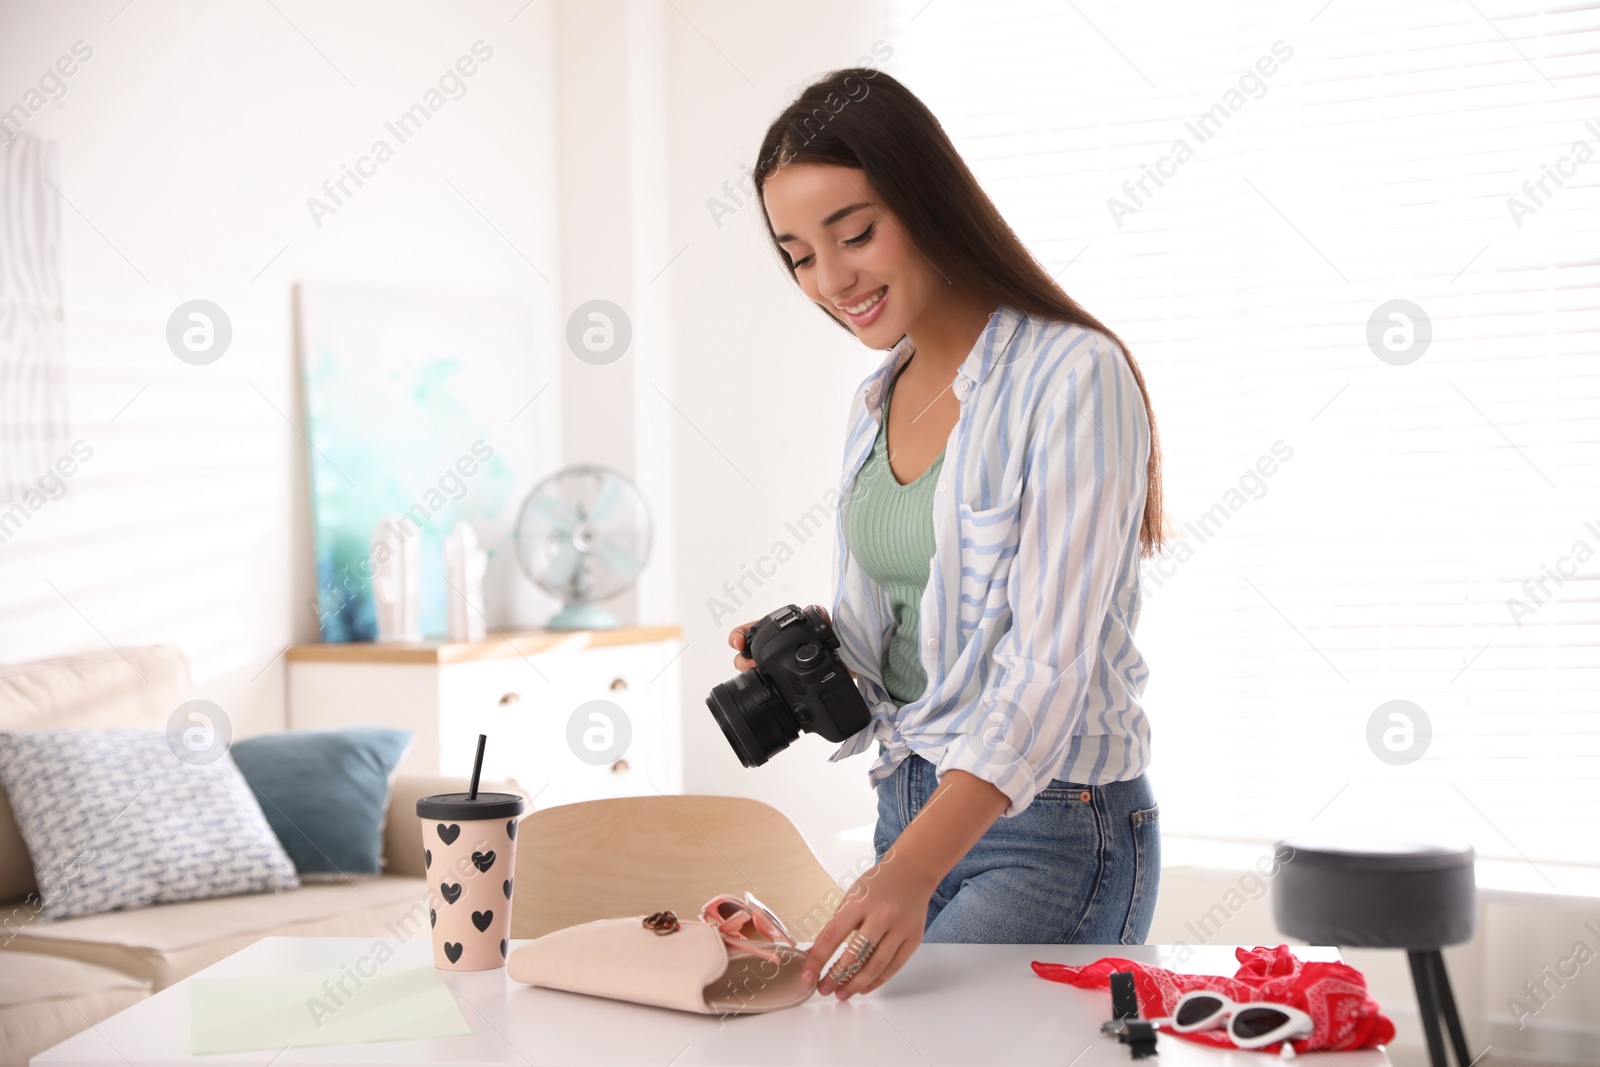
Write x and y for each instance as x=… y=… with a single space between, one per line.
x=504 y=644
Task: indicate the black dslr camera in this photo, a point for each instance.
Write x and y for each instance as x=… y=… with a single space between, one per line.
x=799 y=683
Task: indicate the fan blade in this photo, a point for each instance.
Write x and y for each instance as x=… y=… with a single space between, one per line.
x=619 y=559
x=563 y=568
x=555 y=511
x=606 y=501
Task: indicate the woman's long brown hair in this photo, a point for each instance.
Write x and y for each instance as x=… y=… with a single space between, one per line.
x=863 y=118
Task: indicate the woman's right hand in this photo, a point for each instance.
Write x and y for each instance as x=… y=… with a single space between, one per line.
x=736 y=637
x=741 y=662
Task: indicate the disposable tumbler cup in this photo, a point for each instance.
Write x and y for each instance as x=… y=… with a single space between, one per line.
x=470 y=851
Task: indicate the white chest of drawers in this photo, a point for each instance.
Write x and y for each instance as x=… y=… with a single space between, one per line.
x=570 y=715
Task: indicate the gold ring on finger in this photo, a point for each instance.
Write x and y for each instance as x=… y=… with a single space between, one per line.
x=859 y=941
x=842 y=975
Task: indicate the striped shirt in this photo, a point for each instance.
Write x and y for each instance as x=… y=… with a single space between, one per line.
x=1027 y=620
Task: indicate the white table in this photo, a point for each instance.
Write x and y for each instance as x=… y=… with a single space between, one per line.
x=950 y=1004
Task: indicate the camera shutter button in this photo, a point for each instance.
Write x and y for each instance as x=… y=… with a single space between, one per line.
x=808 y=653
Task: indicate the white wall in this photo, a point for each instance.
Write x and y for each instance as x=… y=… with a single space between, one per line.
x=189 y=144
x=612 y=162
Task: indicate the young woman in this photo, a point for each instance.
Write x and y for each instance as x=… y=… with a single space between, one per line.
x=1001 y=482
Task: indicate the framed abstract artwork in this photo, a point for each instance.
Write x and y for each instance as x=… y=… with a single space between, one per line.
x=420 y=412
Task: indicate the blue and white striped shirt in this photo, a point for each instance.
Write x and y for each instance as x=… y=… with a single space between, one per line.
x=1028 y=616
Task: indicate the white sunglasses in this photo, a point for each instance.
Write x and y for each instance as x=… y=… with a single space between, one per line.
x=1249 y=1025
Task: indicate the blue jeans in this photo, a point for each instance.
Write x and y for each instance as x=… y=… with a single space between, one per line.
x=1080 y=865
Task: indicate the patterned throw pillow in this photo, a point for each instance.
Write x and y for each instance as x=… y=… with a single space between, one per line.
x=114 y=819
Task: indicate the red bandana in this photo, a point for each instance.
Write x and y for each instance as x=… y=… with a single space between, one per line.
x=1333 y=994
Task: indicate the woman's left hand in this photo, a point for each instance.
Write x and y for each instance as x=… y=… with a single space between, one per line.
x=889 y=904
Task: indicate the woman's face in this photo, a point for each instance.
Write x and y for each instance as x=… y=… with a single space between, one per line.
x=849 y=254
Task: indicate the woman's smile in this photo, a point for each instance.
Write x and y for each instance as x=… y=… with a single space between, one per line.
x=864 y=311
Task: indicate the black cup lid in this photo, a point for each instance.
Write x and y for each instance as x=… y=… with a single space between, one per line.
x=457 y=806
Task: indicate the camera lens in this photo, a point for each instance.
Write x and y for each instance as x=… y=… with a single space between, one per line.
x=753 y=718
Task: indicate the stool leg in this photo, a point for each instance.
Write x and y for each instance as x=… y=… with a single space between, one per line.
x=1447 y=1002
x=1428 y=1007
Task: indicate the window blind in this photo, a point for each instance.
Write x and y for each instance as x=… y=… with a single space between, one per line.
x=1356 y=250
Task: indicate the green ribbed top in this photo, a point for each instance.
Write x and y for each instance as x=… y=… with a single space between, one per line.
x=889 y=530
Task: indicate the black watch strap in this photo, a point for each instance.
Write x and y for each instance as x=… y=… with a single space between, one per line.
x=1124 y=998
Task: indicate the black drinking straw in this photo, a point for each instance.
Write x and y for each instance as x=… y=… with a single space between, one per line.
x=477 y=767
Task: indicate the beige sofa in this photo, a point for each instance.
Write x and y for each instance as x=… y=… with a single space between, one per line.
x=62 y=977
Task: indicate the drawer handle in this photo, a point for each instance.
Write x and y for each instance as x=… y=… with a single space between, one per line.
x=619 y=766
x=618 y=683
x=510 y=698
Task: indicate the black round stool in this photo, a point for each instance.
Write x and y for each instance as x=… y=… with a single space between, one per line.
x=1377 y=894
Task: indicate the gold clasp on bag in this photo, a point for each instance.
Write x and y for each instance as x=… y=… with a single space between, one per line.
x=662 y=922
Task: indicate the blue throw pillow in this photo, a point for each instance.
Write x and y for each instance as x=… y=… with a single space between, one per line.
x=325 y=794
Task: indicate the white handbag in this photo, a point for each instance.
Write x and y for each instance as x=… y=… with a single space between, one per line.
x=731 y=967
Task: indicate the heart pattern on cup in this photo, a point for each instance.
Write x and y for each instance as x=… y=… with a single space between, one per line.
x=456 y=895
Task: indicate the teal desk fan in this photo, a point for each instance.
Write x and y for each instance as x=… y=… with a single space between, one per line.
x=583 y=535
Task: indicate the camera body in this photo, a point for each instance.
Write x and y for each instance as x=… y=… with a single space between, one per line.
x=799 y=684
